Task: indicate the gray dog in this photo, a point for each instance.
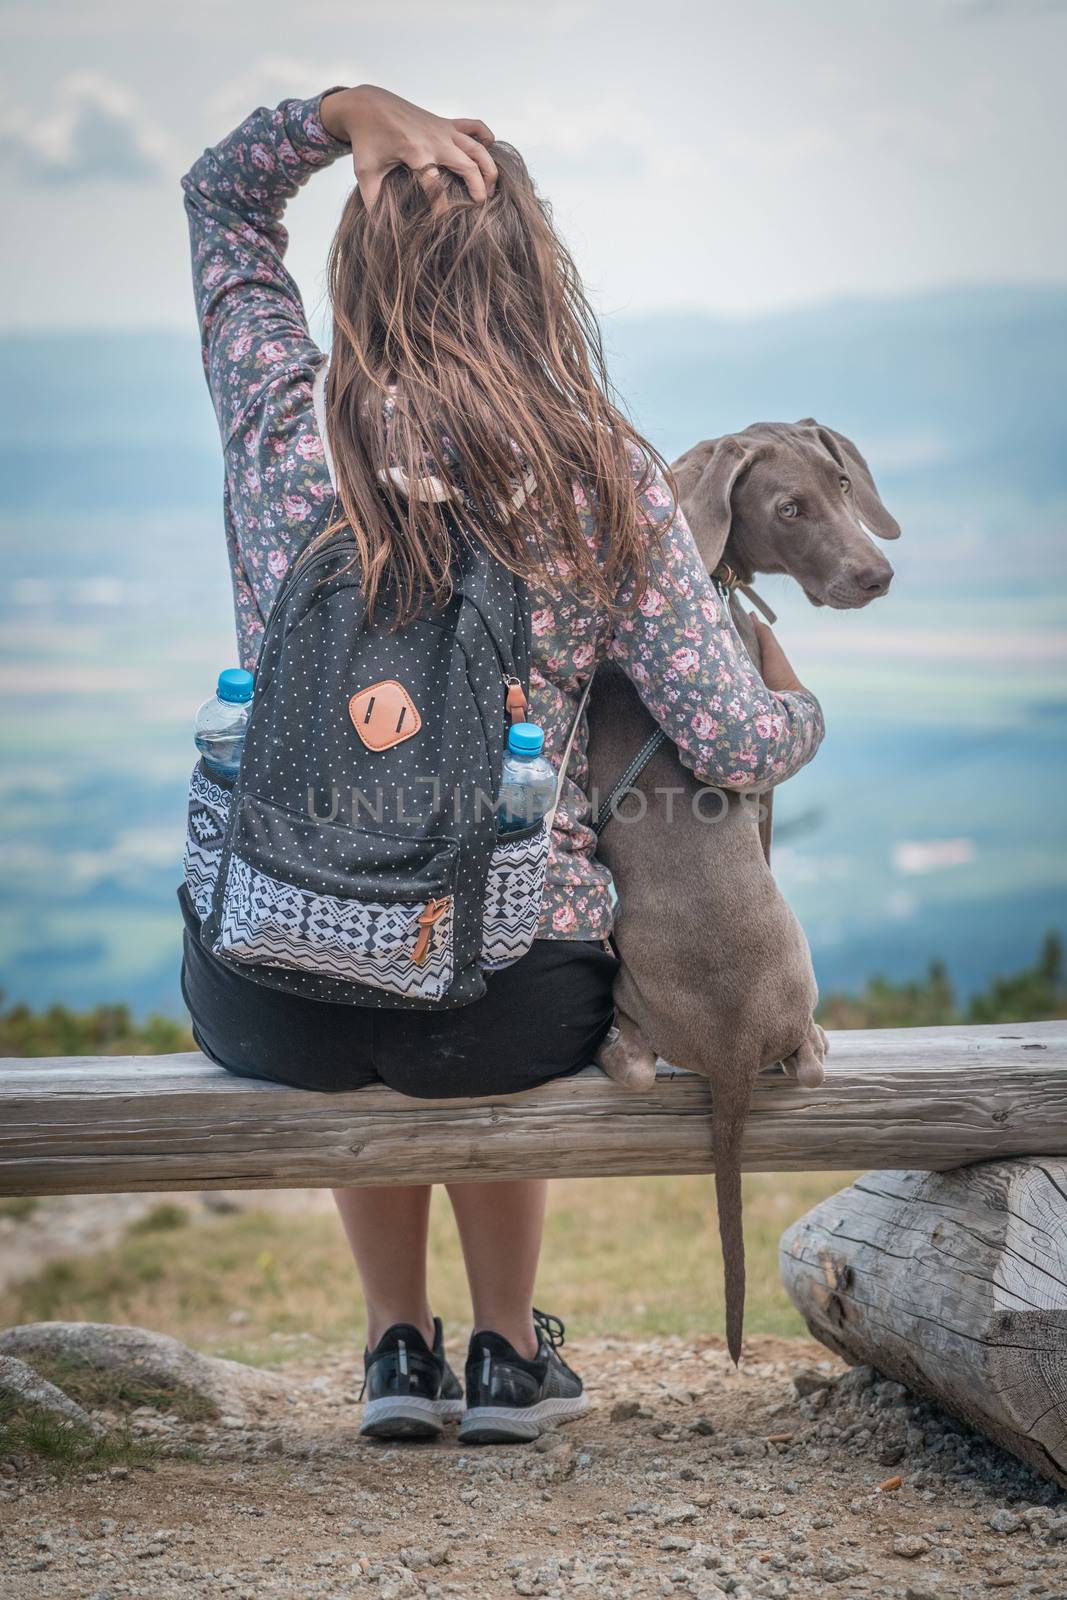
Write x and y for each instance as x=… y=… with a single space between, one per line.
x=716 y=972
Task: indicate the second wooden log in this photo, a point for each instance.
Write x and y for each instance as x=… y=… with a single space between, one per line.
x=955 y=1284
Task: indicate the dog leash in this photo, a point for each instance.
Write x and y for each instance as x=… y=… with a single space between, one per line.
x=561 y=775
x=727 y=581
x=628 y=779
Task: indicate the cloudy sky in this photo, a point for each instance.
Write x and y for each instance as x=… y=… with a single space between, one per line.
x=700 y=153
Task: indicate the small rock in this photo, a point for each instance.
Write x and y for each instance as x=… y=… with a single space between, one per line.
x=909 y=1546
x=682 y=1513
x=702 y=1426
x=808 y=1380
x=1005 y=1521
x=623 y=1410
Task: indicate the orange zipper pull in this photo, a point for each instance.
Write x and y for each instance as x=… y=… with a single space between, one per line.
x=515 y=702
x=428 y=919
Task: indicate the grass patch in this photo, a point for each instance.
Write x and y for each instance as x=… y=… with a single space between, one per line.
x=626 y=1255
x=62 y=1445
x=163 y=1218
x=18 y=1206
x=93 y=1388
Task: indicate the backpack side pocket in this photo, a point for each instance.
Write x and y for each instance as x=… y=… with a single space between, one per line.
x=513 y=895
x=207 y=818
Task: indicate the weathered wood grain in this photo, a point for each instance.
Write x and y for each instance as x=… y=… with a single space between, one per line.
x=920 y=1097
x=955 y=1284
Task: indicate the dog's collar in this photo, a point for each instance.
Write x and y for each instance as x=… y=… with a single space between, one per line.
x=730 y=581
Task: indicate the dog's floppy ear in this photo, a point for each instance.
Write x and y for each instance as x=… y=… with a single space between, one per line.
x=705 y=477
x=869 y=508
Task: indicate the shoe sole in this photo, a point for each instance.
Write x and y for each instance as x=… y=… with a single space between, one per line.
x=407 y=1417
x=519 y=1424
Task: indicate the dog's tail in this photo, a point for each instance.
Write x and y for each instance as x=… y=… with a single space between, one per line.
x=729 y=1111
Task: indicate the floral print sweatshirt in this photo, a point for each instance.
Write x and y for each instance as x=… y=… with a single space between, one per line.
x=678 y=644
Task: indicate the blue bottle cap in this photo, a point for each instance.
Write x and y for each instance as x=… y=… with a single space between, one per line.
x=235 y=684
x=526 y=739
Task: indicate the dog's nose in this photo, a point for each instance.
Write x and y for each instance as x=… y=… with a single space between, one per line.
x=874 y=579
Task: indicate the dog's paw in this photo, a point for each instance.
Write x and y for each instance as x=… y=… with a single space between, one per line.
x=627 y=1059
x=805 y=1065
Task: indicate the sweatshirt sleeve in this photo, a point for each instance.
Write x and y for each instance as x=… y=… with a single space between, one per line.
x=254 y=333
x=683 y=654
x=259 y=357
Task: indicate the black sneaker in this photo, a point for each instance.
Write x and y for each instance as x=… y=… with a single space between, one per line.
x=511 y=1400
x=410 y=1390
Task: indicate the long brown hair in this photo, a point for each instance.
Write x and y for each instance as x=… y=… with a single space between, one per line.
x=473 y=318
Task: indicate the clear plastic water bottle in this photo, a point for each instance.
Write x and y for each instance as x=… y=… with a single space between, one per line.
x=221 y=722
x=529 y=781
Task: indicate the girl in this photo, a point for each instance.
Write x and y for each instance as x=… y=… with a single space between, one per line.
x=464 y=353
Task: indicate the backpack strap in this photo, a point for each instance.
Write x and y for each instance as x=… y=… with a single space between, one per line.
x=561 y=776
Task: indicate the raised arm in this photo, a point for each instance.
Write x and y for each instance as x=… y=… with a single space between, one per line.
x=259 y=357
x=253 y=329
x=681 y=650
x=235 y=196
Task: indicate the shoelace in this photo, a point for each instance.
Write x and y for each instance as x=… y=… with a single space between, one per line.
x=551 y=1327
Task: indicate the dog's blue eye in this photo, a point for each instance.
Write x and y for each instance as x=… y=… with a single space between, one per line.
x=846 y=484
x=788 y=508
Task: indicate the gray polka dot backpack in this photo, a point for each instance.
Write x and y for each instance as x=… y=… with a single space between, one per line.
x=357 y=856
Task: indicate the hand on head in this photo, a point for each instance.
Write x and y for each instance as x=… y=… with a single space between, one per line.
x=387 y=132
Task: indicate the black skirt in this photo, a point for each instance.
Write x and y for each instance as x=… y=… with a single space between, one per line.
x=541 y=1018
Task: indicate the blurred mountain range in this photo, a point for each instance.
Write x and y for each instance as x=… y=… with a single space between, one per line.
x=930 y=824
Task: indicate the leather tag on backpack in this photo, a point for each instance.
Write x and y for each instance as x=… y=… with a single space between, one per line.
x=384 y=715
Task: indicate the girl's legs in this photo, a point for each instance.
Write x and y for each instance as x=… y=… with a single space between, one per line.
x=500 y=1226
x=387 y=1231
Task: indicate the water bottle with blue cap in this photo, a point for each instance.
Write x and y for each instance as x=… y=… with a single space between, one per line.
x=222 y=721
x=529 y=781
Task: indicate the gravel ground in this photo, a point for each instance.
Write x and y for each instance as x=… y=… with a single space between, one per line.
x=793 y=1477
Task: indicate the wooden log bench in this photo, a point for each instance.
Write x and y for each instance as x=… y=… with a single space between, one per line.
x=929 y=1098
x=957 y=1284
